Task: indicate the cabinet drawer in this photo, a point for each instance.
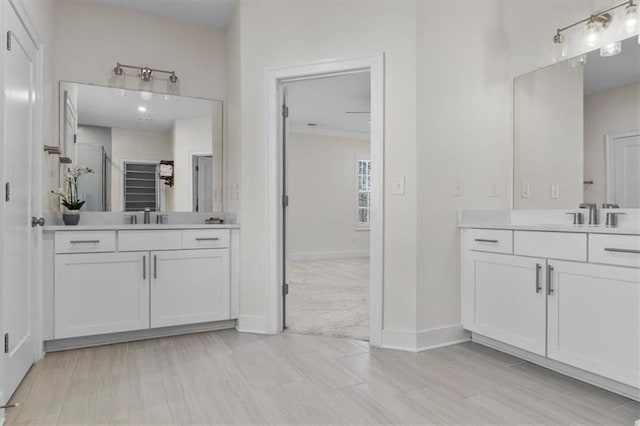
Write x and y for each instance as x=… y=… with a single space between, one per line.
x=551 y=245
x=85 y=242
x=149 y=240
x=205 y=238
x=490 y=240
x=623 y=250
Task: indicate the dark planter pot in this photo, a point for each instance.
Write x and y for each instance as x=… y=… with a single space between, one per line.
x=71 y=217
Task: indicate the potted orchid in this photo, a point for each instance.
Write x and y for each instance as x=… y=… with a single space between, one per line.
x=69 y=196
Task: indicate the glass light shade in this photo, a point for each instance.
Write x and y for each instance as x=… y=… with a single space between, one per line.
x=173 y=86
x=145 y=87
x=631 y=19
x=559 y=48
x=593 y=34
x=577 y=61
x=611 y=49
x=118 y=81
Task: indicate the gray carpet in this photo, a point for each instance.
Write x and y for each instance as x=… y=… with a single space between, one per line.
x=329 y=297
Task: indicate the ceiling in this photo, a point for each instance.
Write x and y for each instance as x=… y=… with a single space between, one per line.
x=210 y=13
x=326 y=102
x=616 y=71
x=107 y=107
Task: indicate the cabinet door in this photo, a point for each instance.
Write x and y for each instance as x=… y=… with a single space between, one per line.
x=594 y=319
x=189 y=286
x=504 y=299
x=101 y=293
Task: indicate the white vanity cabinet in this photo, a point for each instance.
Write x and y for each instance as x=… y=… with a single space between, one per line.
x=576 y=308
x=594 y=319
x=189 y=286
x=506 y=299
x=100 y=293
x=134 y=279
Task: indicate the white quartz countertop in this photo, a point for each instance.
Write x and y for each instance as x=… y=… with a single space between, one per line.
x=138 y=227
x=585 y=229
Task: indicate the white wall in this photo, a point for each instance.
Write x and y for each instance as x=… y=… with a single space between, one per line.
x=135 y=145
x=91 y=38
x=610 y=112
x=291 y=32
x=549 y=137
x=189 y=136
x=233 y=146
x=321 y=218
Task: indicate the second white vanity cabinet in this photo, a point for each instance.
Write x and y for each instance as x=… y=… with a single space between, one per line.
x=136 y=279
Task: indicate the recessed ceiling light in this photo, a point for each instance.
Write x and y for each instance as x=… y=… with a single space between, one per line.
x=142 y=108
x=312 y=124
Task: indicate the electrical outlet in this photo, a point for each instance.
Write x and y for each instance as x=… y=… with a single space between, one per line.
x=458 y=188
x=526 y=189
x=554 y=191
x=493 y=190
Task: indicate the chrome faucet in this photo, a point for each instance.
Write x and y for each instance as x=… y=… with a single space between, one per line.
x=593 y=212
x=147 y=216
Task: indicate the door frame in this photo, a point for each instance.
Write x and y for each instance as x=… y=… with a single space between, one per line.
x=192 y=155
x=36 y=184
x=609 y=161
x=275 y=78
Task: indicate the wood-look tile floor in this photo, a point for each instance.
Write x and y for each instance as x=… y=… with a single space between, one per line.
x=227 y=377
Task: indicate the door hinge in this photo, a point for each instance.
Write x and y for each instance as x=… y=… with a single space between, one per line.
x=197 y=168
x=75 y=138
x=285 y=111
x=7 y=191
x=285 y=289
x=9 y=37
x=285 y=201
x=6 y=343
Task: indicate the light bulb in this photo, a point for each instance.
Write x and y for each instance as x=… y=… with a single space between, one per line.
x=631 y=18
x=611 y=49
x=593 y=34
x=118 y=81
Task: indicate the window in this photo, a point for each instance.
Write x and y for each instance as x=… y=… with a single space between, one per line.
x=363 y=192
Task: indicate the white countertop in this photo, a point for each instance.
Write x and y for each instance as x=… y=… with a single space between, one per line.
x=138 y=227
x=585 y=229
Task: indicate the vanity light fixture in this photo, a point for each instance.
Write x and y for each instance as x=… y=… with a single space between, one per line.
x=146 y=75
x=596 y=24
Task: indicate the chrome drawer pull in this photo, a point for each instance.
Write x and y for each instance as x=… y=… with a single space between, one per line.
x=549 y=276
x=84 y=242
x=538 y=286
x=144 y=267
x=617 y=250
x=482 y=240
x=208 y=239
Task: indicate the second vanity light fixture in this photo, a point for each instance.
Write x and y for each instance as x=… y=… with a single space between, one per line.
x=146 y=75
x=596 y=24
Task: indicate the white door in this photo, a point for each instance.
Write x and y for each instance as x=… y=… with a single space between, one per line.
x=189 y=286
x=19 y=241
x=202 y=183
x=98 y=293
x=624 y=170
x=594 y=319
x=508 y=299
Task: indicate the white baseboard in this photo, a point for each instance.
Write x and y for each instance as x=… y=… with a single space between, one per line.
x=576 y=373
x=417 y=341
x=293 y=257
x=251 y=324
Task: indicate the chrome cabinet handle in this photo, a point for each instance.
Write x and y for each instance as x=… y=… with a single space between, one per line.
x=482 y=240
x=208 y=239
x=549 y=275
x=155 y=266
x=144 y=267
x=538 y=270
x=619 y=250
x=84 y=242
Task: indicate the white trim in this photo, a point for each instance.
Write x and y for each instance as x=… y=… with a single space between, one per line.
x=274 y=79
x=321 y=131
x=417 y=341
x=576 y=373
x=609 y=161
x=251 y=324
x=293 y=257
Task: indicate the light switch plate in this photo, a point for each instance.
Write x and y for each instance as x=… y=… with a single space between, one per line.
x=526 y=189
x=458 y=188
x=493 y=190
x=555 y=191
x=399 y=186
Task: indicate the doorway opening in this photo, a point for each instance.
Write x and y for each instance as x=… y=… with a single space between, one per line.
x=202 y=178
x=327 y=182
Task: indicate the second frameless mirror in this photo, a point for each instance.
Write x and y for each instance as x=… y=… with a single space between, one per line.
x=147 y=150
